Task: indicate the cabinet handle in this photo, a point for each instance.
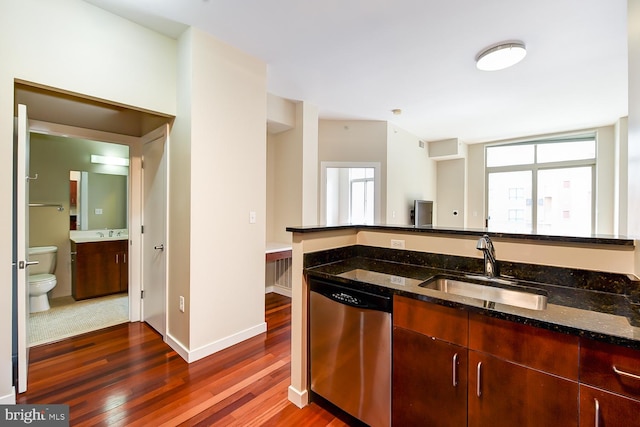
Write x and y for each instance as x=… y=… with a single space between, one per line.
x=124 y=256
x=479 y=375
x=625 y=374
x=116 y=258
x=597 y=416
x=455 y=370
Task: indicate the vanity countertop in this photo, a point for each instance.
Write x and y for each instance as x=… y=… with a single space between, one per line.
x=576 y=303
x=90 y=236
x=97 y=239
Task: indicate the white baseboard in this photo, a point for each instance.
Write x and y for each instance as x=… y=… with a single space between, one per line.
x=177 y=347
x=216 y=346
x=298 y=398
x=278 y=290
x=9 y=399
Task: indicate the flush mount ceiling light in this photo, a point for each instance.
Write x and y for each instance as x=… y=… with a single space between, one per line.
x=501 y=56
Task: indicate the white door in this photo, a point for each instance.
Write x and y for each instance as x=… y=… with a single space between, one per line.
x=154 y=223
x=21 y=261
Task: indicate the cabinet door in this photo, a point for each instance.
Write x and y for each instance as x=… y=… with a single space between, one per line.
x=600 y=408
x=124 y=266
x=429 y=381
x=96 y=269
x=505 y=394
x=97 y=274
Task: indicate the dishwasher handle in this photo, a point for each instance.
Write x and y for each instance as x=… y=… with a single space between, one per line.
x=351 y=297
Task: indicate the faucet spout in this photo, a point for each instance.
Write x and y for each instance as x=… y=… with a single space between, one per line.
x=490 y=263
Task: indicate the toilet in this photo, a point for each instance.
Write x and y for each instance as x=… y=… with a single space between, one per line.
x=41 y=278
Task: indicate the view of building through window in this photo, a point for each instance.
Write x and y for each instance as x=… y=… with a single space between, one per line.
x=544 y=187
x=361 y=195
x=350 y=195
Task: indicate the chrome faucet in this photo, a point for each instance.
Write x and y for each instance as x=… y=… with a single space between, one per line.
x=110 y=233
x=490 y=264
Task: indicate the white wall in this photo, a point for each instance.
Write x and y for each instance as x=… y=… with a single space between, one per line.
x=411 y=175
x=228 y=170
x=451 y=193
x=476 y=213
x=292 y=174
x=179 y=165
x=358 y=141
x=74 y=46
x=633 y=165
x=605 y=180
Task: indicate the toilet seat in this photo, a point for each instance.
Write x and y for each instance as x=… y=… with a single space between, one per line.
x=39 y=279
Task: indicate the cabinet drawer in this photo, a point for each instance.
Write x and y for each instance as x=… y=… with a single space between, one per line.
x=610 y=367
x=601 y=408
x=100 y=247
x=446 y=323
x=536 y=348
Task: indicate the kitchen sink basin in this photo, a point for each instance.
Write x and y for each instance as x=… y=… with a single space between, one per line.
x=490 y=294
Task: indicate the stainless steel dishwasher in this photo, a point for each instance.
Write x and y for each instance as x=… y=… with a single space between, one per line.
x=350 y=350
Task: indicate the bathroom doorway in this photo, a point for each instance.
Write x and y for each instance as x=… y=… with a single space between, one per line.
x=74 y=174
x=57 y=113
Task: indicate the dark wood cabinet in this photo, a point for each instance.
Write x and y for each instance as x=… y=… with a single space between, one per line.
x=502 y=393
x=610 y=385
x=429 y=381
x=429 y=385
x=454 y=368
x=600 y=408
x=99 y=268
x=520 y=375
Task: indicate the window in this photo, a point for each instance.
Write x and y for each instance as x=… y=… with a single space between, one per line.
x=559 y=175
x=361 y=195
x=350 y=193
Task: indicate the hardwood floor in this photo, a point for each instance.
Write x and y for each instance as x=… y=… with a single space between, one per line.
x=127 y=376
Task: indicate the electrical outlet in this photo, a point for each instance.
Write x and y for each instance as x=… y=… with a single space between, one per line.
x=252 y=217
x=397 y=244
x=181 y=304
x=397 y=280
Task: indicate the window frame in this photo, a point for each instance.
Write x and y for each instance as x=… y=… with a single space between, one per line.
x=535 y=167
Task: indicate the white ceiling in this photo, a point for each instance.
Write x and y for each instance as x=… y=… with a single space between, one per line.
x=359 y=59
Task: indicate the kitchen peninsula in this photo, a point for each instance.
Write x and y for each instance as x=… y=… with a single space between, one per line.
x=590 y=284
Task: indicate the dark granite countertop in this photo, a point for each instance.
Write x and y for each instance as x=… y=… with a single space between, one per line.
x=595 y=305
x=595 y=239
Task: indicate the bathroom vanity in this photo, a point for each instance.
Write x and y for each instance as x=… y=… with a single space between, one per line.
x=99 y=268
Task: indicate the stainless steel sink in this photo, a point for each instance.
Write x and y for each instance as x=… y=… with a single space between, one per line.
x=490 y=294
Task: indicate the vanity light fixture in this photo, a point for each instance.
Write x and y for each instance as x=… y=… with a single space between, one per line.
x=109 y=160
x=501 y=56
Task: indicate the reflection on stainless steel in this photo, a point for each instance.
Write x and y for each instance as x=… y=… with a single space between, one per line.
x=497 y=280
x=491 y=294
x=350 y=356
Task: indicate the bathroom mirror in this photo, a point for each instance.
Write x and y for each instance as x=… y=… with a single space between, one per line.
x=97 y=201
